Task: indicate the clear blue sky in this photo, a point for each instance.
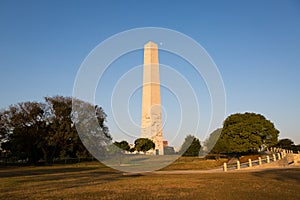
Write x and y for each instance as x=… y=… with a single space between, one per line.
x=255 y=44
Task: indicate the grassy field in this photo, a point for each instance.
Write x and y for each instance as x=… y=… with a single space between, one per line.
x=95 y=181
x=194 y=163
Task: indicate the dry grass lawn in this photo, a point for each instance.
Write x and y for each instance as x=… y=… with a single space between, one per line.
x=194 y=163
x=94 y=181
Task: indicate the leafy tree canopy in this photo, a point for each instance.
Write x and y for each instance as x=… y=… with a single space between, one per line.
x=248 y=132
x=212 y=140
x=143 y=144
x=123 y=145
x=191 y=146
x=32 y=131
x=285 y=143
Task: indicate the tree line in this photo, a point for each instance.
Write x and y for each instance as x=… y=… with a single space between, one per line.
x=44 y=131
x=140 y=144
x=246 y=133
x=190 y=147
x=34 y=131
x=242 y=133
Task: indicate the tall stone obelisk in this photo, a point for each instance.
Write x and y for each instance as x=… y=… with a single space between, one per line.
x=151 y=107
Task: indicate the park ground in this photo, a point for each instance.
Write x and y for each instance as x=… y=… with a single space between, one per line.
x=95 y=181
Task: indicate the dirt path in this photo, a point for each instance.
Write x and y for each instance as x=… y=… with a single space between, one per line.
x=218 y=170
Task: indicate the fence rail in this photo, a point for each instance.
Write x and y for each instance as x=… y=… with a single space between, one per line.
x=274 y=155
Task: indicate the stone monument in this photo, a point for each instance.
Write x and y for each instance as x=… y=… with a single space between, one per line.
x=151 y=123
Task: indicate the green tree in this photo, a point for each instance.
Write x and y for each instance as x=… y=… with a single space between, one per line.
x=244 y=133
x=123 y=145
x=285 y=144
x=143 y=144
x=90 y=124
x=210 y=143
x=24 y=128
x=5 y=130
x=33 y=131
x=191 y=146
x=296 y=148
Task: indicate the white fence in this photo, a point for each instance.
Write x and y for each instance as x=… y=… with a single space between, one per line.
x=274 y=155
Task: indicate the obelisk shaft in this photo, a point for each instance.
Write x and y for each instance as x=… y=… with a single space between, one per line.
x=151 y=105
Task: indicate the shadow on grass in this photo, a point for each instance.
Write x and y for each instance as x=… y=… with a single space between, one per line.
x=285 y=174
x=19 y=172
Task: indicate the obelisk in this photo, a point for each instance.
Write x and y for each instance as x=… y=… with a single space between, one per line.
x=151 y=106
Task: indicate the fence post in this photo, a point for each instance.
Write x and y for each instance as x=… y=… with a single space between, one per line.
x=282 y=155
x=274 y=157
x=278 y=155
x=259 y=160
x=268 y=159
x=225 y=167
x=298 y=152
x=238 y=165
x=250 y=162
